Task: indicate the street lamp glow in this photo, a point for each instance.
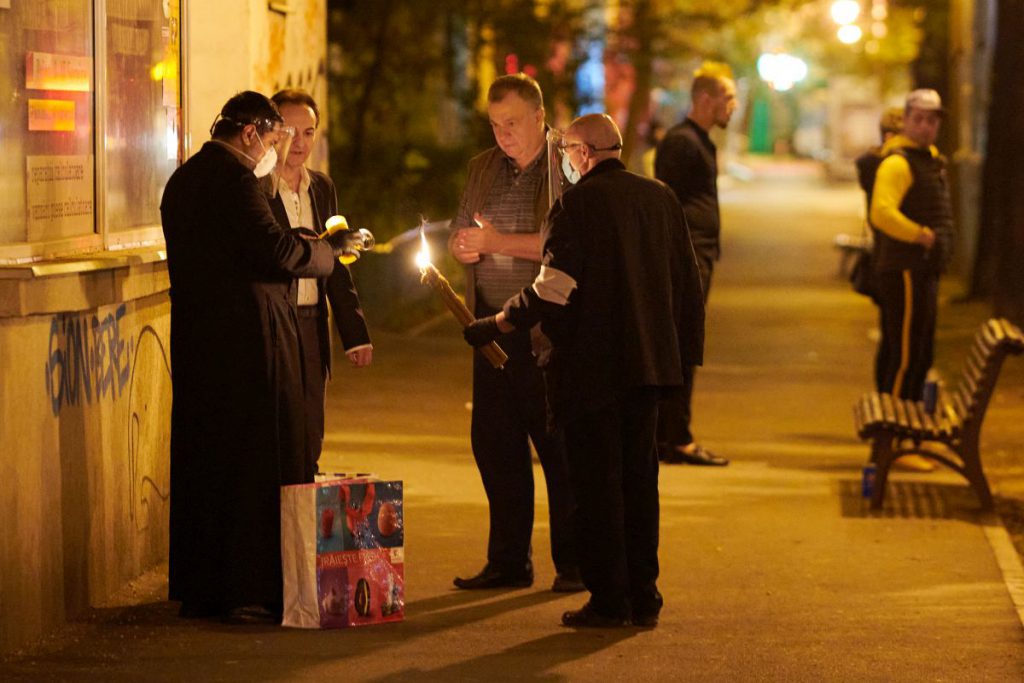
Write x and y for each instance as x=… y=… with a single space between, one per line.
x=849 y=34
x=781 y=71
x=845 y=11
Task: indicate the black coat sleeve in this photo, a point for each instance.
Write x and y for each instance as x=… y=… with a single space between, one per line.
x=688 y=294
x=264 y=243
x=673 y=164
x=341 y=289
x=563 y=256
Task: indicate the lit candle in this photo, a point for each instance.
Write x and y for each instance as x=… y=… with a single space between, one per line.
x=430 y=275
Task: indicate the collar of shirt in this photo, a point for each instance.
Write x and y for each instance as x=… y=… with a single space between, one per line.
x=304 y=182
x=530 y=167
x=297 y=204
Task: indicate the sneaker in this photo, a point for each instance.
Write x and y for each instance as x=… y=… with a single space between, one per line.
x=913 y=463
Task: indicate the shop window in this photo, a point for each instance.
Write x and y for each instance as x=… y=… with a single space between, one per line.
x=141 y=116
x=92 y=127
x=46 y=126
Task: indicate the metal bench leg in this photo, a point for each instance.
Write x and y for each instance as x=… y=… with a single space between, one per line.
x=975 y=475
x=881 y=455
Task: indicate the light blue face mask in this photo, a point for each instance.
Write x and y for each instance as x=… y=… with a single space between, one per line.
x=570 y=173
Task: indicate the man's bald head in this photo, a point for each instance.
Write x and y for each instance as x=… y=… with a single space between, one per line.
x=599 y=132
x=591 y=139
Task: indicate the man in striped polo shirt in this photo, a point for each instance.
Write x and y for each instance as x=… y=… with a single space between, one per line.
x=497 y=237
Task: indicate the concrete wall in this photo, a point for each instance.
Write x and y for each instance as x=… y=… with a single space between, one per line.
x=270 y=51
x=84 y=467
x=85 y=389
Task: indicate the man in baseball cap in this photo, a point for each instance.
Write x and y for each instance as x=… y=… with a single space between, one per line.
x=911 y=209
x=924 y=99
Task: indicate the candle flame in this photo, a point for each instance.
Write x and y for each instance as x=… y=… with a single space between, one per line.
x=423 y=255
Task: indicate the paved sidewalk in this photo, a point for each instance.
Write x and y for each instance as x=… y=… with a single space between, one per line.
x=772 y=568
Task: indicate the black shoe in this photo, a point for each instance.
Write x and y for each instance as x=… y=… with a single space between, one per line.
x=568 y=581
x=700 y=456
x=644 y=620
x=645 y=607
x=491 y=577
x=251 y=614
x=586 y=617
x=199 y=610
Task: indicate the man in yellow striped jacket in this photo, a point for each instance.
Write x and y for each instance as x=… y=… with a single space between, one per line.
x=911 y=209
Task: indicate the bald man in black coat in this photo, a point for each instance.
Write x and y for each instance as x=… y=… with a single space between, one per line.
x=619 y=295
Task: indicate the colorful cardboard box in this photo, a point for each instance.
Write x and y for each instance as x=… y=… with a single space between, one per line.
x=342 y=548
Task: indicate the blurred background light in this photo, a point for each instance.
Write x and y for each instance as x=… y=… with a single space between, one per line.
x=845 y=11
x=781 y=71
x=849 y=34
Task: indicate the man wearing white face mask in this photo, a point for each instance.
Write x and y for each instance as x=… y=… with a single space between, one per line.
x=619 y=296
x=237 y=429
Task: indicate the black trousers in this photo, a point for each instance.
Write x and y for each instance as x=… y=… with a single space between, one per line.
x=908 y=300
x=509 y=411
x=613 y=466
x=314 y=375
x=674 y=409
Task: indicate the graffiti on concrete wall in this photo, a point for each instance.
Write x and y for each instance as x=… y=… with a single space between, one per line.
x=149 y=427
x=88 y=360
x=93 y=357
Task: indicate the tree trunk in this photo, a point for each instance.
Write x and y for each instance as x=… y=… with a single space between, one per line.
x=381 y=48
x=1000 y=264
x=641 y=36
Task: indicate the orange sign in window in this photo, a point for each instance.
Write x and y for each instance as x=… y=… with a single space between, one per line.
x=46 y=71
x=51 y=115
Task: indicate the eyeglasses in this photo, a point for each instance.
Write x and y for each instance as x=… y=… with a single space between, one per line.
x=271 y=125
x=284 y=130
x=565 y=146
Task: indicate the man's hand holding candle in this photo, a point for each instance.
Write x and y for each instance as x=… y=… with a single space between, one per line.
x=483 y=331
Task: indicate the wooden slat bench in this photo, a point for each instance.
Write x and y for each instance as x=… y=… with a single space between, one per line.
x=849 y=247
x=890 y=422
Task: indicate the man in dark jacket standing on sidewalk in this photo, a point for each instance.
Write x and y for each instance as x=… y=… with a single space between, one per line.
x=686 y=162
x=619 y=296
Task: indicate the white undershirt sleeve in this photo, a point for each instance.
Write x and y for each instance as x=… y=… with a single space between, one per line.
x=553 y=285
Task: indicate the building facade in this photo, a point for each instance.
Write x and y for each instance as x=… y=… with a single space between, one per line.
x=108 y=98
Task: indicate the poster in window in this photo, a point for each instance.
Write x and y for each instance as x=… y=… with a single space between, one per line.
x=60 y=196
x=46 y=71
x=54 y=116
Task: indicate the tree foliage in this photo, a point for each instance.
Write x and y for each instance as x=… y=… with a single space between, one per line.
x=405 y=81
x=408 y=77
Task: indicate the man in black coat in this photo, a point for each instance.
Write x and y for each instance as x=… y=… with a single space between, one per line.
x=619 y=296
x=236 y=421
x=686 y=162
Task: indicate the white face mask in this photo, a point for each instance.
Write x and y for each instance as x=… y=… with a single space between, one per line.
x=267 y=163
x=571 y=174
